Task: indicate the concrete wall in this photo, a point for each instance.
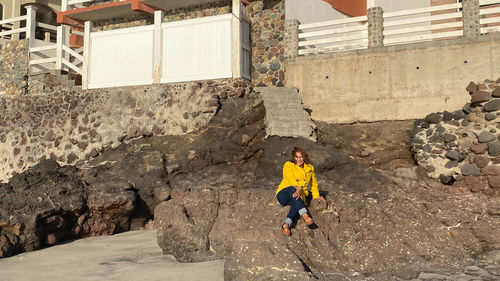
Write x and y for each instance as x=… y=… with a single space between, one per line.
x=317 y=11
x=398 y=5
x=393 y=83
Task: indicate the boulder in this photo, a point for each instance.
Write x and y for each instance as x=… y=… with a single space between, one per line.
x=481 y=161
x=486 y=136
x=491 y=170
x=41 y=203
x=452 y=155
x=494 y=148
x=479 y=148
x=493 y=105
x=470 y=170
x=434 y=118
x=494 y=181
x=480 y=96
x=496 y=92
x=472 y=87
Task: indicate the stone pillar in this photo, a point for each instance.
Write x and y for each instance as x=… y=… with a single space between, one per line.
x=470 y=10
x=375 y=27
x=291 y=38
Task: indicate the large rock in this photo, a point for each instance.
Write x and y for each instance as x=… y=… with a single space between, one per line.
x=39 y=207
x=493 y=105
x=494 y=148
x=480 y=96
x=240 y=222
x=470 y=170
x=485 y=136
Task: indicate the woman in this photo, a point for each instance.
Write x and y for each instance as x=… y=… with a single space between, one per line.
x=297 y=174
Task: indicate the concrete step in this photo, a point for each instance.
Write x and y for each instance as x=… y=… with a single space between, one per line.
x=286 y=115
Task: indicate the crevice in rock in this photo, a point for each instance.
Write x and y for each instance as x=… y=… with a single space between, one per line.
x=304 y=264
x=212 y=223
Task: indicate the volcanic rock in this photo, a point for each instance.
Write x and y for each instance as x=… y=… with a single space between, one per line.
x=485 y=136
x=470 y=170
x=492 y=105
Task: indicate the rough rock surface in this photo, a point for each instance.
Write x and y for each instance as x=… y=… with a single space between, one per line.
x=214 y=193
x=468 y=137
x=378 y=225
x=48 y=204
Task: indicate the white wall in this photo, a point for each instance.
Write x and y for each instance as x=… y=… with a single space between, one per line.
x=399 y=5
x=309 y=11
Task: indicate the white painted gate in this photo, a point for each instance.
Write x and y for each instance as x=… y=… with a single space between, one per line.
x=122 y=57
x=197 y=49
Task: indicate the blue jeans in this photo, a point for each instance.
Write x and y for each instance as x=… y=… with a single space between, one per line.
x=285 y=197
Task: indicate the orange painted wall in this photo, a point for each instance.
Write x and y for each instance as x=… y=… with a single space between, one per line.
x=353 y=8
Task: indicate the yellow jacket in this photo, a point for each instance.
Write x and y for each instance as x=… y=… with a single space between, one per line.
x=294 y=175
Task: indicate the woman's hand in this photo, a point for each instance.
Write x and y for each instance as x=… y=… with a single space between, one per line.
x=296 y=194
x=321 y=198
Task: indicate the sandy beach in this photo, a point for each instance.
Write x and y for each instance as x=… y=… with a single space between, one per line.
x=131 y=256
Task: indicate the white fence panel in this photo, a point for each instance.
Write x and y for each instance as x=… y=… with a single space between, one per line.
x=423 y=24
x=489 y=12
x=333 y=36
x=121 y=57
x=197 y=49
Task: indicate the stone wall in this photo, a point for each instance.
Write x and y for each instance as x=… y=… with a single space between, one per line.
x=13 y=67
x=462 y=148
x=268 y=33
x=72 y=126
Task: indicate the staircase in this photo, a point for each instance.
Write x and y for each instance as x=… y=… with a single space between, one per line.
x=54 y=78
x=285 y=113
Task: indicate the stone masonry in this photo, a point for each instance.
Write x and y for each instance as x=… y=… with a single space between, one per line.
x=268 y=52
x=472 y=28
x=291 y=38
x=197 y=11
x=462 y=148
x=375 y=27
x=72 y=126
x=285 y=114
x=13 y=67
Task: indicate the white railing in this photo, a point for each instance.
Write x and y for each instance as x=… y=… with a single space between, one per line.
x=11 y=27
x=45 y=56
x=332 y=36
x=416 y=25
x=489 y=12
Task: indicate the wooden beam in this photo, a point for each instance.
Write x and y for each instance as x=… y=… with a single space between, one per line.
x=139 y=6
x=62 y=19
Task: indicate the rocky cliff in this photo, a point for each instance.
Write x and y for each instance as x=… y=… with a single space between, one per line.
x=212 y=195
